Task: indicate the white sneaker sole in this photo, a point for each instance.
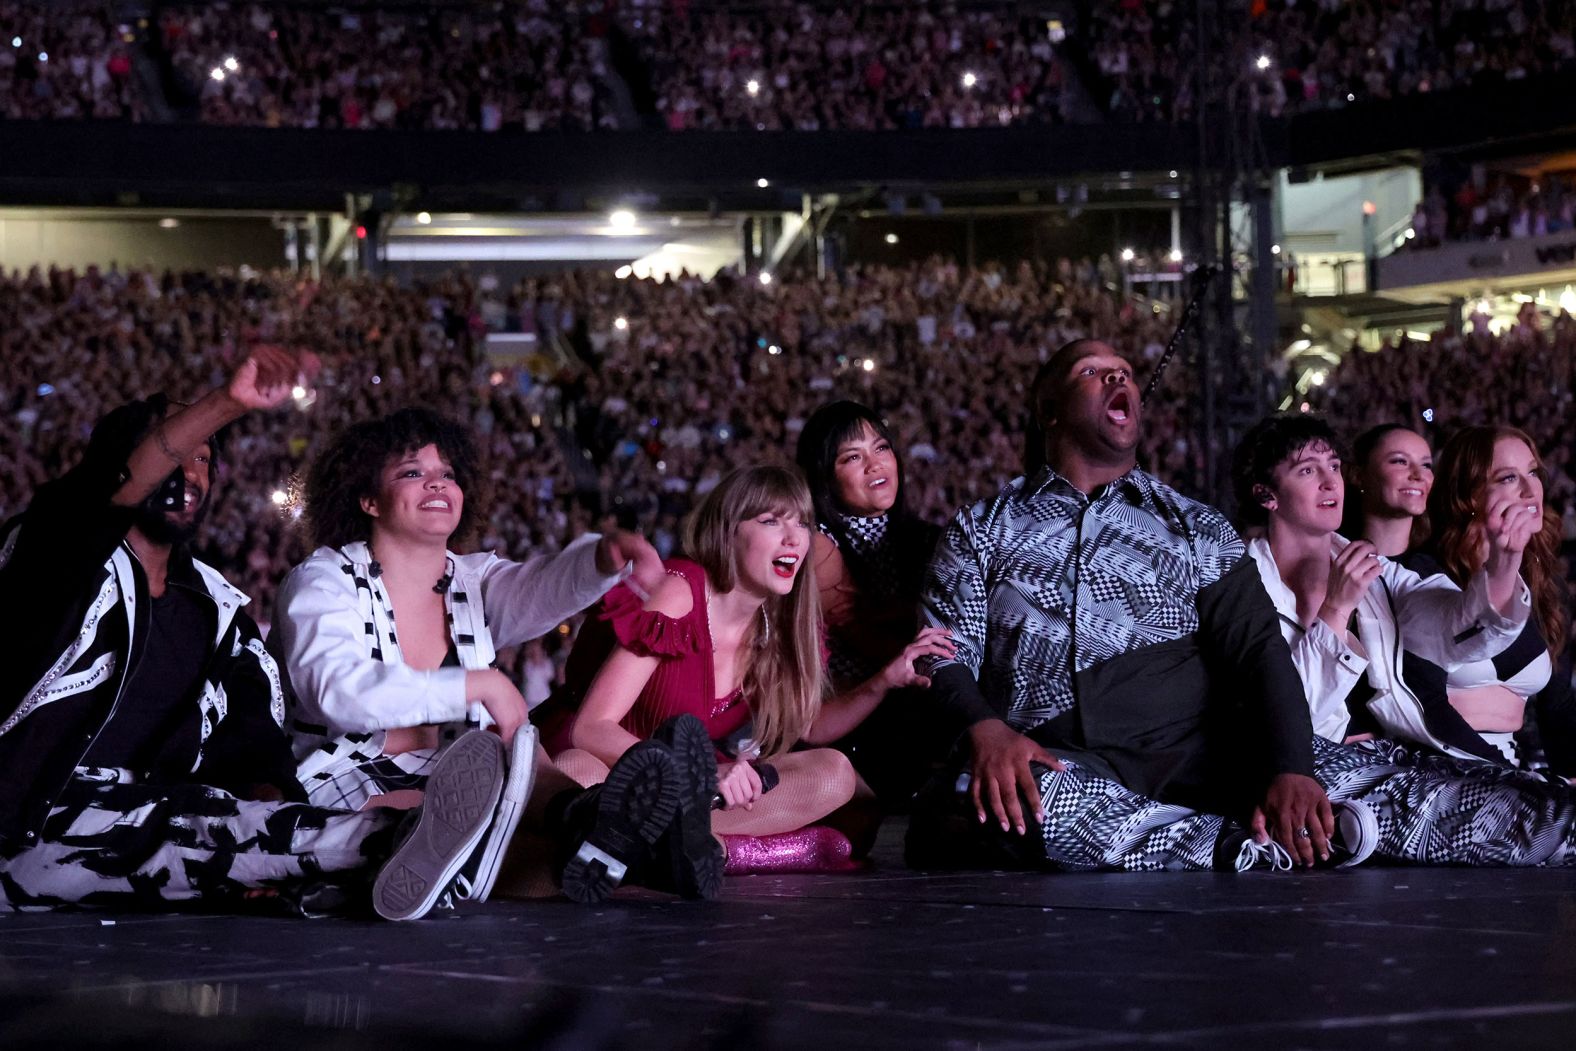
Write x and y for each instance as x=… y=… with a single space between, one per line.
x=511 y=805
x=461 y=799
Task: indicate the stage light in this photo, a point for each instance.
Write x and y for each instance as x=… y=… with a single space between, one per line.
x=774 y=350
x=1568 y=300
x=1127 y=255
x=622 y=219
x=43 y=56
x=890 y=239
x=376 y=380
x=424 y=218
x=1428 y=415
x=869 y=365
x=16 y=41
x=753 y=87
x=231 y=64
x=1263 y=62
x=766 y=278
x=621 y=323
x=969 y=80
x=217 y=74
x=1176 y=255
x=1171 y=174
x=623 y=272
x=1274 y=249
x=1318 y=378
x=279 y=497
x=762 y=183
x=298 y=392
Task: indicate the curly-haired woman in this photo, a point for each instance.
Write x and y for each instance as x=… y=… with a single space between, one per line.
x=388 y=638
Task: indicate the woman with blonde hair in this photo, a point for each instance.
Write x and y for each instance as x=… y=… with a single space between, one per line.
x=733 y=638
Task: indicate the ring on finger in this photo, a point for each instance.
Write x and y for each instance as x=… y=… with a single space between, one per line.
x=1304 y=833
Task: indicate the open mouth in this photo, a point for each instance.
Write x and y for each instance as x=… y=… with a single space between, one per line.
x=878 y=483
x=435 y=504
x=785 y=566
x=1411 y=492
x=1120 y=408
x=1329 y=504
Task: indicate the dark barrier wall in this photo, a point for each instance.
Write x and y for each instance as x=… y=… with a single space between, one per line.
x=99 y=163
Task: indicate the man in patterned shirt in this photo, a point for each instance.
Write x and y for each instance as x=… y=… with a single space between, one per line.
x=1119 y=666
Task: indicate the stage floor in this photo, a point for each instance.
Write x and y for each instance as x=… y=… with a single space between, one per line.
x=1392 y=957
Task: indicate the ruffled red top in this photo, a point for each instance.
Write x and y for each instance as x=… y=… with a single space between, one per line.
x=684 y=681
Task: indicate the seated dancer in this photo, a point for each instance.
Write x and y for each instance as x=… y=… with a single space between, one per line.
x=1475 y=466
x=1119 y=670
x=144 y=761
x=733 y=638
x=1348 y=612
x=870 y=555
x=375 y=709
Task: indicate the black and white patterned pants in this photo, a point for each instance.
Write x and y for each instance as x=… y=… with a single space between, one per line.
x=1432 y=809
x=110 y=841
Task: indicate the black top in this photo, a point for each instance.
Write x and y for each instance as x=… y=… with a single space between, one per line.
x=154 y=731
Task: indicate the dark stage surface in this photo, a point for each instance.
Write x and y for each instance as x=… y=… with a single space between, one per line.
x=1380 y=957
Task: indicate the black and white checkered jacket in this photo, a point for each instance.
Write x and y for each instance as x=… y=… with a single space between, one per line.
x=74 y=613
x=335 y=636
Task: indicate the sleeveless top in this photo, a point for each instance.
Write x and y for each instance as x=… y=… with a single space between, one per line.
x=684 y=681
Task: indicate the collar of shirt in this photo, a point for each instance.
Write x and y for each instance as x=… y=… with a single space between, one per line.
x=1136 y=487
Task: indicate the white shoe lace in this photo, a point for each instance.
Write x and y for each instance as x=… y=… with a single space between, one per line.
x=456 y=892
x=1270 y=854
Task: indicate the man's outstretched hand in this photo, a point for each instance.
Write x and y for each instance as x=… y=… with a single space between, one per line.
x=267 y=376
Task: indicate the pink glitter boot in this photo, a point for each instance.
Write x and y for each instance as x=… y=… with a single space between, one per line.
x=812 y=849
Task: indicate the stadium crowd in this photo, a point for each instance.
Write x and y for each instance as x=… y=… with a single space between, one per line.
x=676 y=381
x=774 y=64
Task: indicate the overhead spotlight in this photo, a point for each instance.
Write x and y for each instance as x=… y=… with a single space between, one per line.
x=762 y=183
x=766 y=277
x=1176 y=255
x=1127 y=255
x=970 y=79
x=424 y=218
x=621 y=219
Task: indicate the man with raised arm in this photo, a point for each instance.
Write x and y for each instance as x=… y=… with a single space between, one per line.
x=142 y=759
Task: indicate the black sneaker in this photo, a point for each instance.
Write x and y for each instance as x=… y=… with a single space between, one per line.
x=461 y=799
x=688 y=860
x=613 y=826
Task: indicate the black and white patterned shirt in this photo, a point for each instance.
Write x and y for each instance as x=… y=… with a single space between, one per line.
x=1041 y=581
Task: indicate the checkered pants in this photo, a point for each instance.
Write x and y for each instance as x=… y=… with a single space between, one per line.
x=1432 y=809
x=1436 y=810
x=110 y=841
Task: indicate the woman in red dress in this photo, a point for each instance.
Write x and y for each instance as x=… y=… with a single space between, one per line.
x=733 y=637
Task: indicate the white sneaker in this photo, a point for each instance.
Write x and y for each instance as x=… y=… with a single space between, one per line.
x=1270 y=855
x=1356 y=833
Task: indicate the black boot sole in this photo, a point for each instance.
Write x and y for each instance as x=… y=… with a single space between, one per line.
x=694 y=857
x=635 y=805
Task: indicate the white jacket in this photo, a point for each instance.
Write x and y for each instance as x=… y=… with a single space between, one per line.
x=1438 y=620
x=336 y=638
